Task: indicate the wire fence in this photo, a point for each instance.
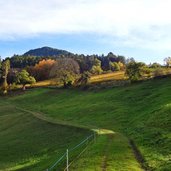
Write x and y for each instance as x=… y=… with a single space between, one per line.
x=70 y=153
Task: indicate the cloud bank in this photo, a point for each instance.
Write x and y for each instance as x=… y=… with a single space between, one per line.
x=130 y=23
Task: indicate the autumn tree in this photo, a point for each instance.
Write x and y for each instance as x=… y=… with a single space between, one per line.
x=114 y=66
x=96 y=68
x=135 y=70
x=167 y=61
x=84 y=79
x=41 y=70
x=24 y=78
x=5 y=66
x=65 y=70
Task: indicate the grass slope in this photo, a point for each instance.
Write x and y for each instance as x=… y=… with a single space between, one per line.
x=119 y=75
x=27 y=143
x=141 y=112
x=110 y=152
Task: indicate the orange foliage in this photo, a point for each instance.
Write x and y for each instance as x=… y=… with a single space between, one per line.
x=41 y=70
x=45 y=63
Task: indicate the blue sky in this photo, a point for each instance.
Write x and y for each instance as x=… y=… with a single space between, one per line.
x=134 y=28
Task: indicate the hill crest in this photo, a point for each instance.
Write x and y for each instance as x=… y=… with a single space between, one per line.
x=46 y=51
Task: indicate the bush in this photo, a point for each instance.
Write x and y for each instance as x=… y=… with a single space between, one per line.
x=159 y=72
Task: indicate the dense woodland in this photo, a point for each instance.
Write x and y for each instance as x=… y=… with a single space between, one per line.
x=71 y=69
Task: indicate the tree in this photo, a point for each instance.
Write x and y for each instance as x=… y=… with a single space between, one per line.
x=167 y=61
x=24 y=78
x=96 y=68
x=159 y=72
x=134 y=70
x=114 y=66
x=155 y=65
x=41 y=70
x=23 y=61
x=65 y=71
x=84 y=79
x=0 y=69
x=121 y=65
x=128 y=60
x=121 y=59
x=4 y=72
x=112 y=57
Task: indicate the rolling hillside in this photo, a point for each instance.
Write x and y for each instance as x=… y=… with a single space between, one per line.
x=120 y=75
x=28 y=143
x=139 y=112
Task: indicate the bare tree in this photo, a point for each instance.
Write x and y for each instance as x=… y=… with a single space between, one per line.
x=65 y=70
x=167 y=61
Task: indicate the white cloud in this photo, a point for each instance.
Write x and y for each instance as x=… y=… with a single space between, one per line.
x=140 y=23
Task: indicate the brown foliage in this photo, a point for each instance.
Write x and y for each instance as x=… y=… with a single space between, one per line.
x=41 y=70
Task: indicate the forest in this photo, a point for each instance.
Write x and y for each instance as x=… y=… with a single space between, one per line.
x=71 y=69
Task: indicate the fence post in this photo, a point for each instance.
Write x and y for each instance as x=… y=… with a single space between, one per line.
x=67 y=157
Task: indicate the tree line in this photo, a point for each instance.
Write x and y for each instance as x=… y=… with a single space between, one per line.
x=85 y=61
x=72 y=69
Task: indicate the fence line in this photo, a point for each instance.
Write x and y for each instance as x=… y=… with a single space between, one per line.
x=76 y=158
x=58 y=161
x=65 y=155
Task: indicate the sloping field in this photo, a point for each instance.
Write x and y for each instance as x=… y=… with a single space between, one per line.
x=120 y=75
x=35 y=142
x=110 y=152
x=28 y=143
x=141 y=112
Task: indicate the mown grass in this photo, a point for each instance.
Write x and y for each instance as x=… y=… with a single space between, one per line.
x=110 y=152
x=120 y=75
x=27 y=143
x=141 y=111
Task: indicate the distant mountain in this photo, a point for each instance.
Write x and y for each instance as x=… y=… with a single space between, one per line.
x=46 y=51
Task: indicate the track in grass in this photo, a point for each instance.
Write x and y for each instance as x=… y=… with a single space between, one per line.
x=28 y=143
x=140 y=111
x=111 y=152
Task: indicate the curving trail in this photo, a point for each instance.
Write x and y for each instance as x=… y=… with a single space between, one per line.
x=113 y=141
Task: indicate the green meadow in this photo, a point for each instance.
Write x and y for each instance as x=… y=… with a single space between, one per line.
x=37 y=126
x=28 y=143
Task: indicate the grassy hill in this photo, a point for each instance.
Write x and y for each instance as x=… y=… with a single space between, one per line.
x=119 y=75
x=28 y=143
x=140 y=112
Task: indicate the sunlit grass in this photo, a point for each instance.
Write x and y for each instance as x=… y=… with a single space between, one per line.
x=140 y=112
x=29 y=143
x=120 y=75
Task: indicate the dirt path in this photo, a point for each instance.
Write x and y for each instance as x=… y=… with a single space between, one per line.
x=43 y=117
x=106 y=151
x=110 y=136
